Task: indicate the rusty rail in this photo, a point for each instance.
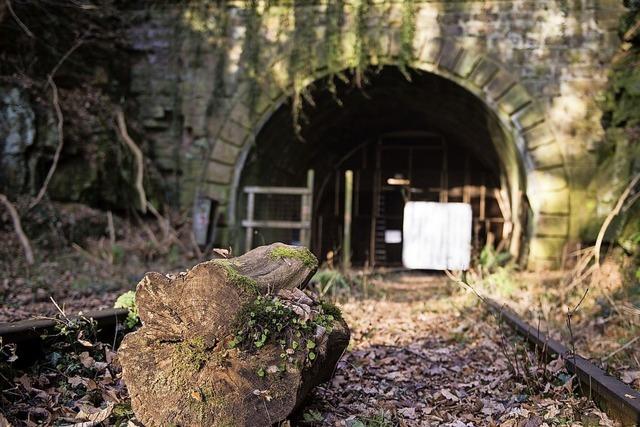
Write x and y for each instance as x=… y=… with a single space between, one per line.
x=27 y=334
x=616 y=398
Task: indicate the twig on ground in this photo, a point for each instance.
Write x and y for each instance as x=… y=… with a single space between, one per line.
x=139 y=158
x=624 y=347
x=570 y=314
x=196 y=248
x=18 y=20
x=87 y=254
x=112 y=231
x=17 y=226
x=614 y=212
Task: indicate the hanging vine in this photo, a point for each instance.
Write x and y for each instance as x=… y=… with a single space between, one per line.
x=301 y=63
x=334 y=22
x=368 y=20
x=251 y=53
x=407 y=34
x=360 y=48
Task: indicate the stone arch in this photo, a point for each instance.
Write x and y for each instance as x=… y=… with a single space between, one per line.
x=541 y=173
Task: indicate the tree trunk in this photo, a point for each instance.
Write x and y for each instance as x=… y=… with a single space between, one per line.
x=230 y=342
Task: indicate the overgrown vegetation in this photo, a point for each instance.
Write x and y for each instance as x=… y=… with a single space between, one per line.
x=128 y=301
x=270 y=320
x=77 y=373
x=72 y=57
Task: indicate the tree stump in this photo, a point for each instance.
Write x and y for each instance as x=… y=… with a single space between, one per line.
x=231 y=342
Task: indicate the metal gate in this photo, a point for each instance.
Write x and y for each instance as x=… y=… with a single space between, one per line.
x=279 y=208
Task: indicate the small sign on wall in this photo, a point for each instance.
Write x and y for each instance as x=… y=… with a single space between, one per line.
x=437 y=236
x=393 y=236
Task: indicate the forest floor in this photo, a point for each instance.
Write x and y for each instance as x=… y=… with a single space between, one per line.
x=604 y=304
x=423 y=352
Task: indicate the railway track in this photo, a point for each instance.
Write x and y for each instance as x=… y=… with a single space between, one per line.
x=617 y=399
x=27 y=334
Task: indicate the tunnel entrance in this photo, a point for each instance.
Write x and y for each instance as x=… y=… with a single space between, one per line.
x=407 y=138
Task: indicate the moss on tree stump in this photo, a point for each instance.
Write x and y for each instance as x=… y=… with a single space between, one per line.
x=231 y=342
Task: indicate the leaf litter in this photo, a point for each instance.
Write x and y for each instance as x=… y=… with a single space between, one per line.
x=425 y=353
x=422 y=353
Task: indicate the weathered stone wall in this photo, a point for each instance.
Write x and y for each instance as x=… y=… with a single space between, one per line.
x=209 y=76
x=17 y=134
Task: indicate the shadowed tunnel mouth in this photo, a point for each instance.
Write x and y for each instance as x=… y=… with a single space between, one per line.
x=411 y=136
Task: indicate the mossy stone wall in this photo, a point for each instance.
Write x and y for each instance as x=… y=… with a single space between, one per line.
x=209 y=74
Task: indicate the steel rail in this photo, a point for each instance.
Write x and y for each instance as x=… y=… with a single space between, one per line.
x=617 y=399
x=27 y=334
x=614 y=397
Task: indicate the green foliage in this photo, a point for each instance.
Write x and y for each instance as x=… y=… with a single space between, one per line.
x=490 y=259
x=301 y=253
x=330 y=281
x=128 y=300
x=268 y=321
x=117 y=253
x=312 y=416
x=331 y=309
x=379 y=419
x=501 y=282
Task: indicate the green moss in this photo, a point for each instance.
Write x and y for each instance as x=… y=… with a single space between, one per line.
x=301 y=253
x=190 y=355
x=247 y=284
x=330 y=309
x=205 y=400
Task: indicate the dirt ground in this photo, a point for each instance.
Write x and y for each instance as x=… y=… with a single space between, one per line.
x=422 y=353
x=604 y=304
x=82 y=263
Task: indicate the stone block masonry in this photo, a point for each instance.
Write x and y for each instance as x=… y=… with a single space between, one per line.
x=209 y=75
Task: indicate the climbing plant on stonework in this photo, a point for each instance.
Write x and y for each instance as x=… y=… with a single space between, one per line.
x=361 y=23
x=621 y=115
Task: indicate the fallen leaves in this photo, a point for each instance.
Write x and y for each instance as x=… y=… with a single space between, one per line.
x=419 y=356
x=424 y=356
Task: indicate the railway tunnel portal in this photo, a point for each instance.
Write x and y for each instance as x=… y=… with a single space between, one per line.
x=463 y=98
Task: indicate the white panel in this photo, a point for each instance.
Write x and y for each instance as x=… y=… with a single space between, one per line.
x=393 y=236
x=437 y=236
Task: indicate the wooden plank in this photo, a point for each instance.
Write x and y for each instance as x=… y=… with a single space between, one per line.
x=27 y=330
x=483 y=199
x=248 y=237
x=617 y=399
x=275 y=224
x=375 y=206
x=466 y=190
x=444 y=177
x=348 y=204
x=293 y=191
x=306 y=204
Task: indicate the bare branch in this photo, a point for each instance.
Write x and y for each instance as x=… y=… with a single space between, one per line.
x=613 y=214
x=56 y=156
x=64 y=58
x=20 y=23
x=137 y=153
x=17 y=226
